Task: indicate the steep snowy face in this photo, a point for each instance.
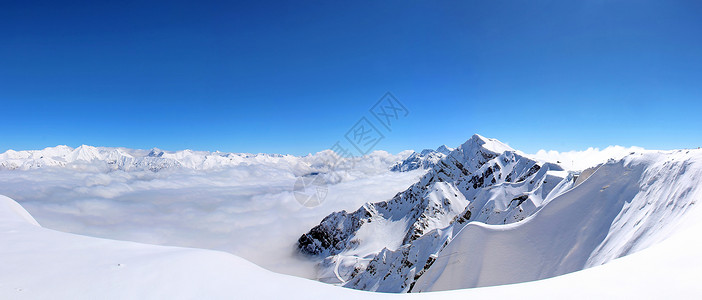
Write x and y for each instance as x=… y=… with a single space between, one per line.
x=622 y=207
x=443 y=149
x=423 y=160
x=385 y=246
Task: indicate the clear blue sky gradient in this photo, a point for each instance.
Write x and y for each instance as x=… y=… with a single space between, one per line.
x=293 y=77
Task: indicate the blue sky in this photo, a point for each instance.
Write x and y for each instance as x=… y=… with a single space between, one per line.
x=288 y=77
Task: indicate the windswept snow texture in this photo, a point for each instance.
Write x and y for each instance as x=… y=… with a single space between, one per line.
x=623 y=207
x=233 y=202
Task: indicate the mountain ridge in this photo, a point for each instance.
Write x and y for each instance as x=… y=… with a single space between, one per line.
x=124 y=159
x=623 y=206
x=461 y=187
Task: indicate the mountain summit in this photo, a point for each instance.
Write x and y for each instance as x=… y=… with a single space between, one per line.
x=385 y=246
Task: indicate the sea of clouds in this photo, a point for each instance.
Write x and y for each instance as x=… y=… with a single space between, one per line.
x=248 y=210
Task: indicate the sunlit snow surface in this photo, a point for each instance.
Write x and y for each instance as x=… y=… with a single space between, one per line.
x=623 y=207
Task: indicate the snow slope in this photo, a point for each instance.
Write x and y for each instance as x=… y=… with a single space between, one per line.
x=385 y=246
x=39 y=263
x=421 y=237
x=623 y=207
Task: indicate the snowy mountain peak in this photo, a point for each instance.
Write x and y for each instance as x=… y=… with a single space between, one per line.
x=427 y=151
x=444 y=149
x=155 y=152
x=492 y=145
x=85 y=153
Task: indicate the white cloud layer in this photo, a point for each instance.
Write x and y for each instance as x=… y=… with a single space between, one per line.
x=247 y=209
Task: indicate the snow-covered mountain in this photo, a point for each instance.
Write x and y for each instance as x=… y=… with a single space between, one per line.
x=622 y=207
x=426 y=159
x=385 y=246
x=123 y=159
x=483 y=185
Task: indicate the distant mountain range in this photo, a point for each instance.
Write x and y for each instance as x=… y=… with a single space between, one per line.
x=422 y=160
x=124 y=159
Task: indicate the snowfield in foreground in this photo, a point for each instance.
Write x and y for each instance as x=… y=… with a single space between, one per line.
x=39 y=263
